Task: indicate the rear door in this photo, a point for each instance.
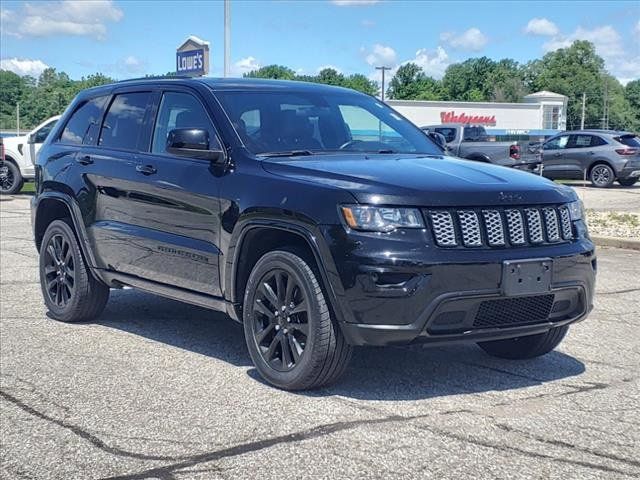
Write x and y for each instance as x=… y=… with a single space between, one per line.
x=554 y=156
x=582 y=150
x=176 y=229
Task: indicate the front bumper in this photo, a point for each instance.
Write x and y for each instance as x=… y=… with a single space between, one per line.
x=422 y=294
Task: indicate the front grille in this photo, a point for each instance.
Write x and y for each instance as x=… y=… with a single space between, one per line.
x=510 y=312
x=500 y=227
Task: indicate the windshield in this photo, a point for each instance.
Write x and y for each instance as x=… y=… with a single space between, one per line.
x=270 y=122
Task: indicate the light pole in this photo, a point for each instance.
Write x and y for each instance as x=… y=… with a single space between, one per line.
x=227 y=35
x=383 y=70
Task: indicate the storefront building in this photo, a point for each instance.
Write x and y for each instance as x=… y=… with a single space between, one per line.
x=540 y=115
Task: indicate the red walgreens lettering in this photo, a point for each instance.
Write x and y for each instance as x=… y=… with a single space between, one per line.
x=452 y=117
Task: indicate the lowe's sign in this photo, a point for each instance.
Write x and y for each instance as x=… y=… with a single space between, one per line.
x=192 y=57
x=190 y=62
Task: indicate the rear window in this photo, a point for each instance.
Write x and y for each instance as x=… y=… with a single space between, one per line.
x=474 y=134
x=629 y=140
x=78 y=129
x=124 y=120
x=449 y=133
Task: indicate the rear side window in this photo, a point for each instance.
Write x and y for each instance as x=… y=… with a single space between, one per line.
x=180 y=110
x=449 y=133
x=585 y=141
x=78 y=129
x=629 y=140
x=124 y=121
x=474 y=134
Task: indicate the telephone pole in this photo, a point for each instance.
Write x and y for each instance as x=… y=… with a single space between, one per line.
x=383 y=70
x=584 y=101
x=18 y=118
x=227 y=36
x=605 y=105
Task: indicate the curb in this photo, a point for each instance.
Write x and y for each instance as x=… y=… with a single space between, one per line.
x=616 y=242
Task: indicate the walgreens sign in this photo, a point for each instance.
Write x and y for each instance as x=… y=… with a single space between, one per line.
x=453 y=117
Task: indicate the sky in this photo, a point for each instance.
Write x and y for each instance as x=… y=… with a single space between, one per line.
x=132 y=38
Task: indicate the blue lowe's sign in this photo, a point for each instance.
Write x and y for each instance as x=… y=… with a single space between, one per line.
x=191 y=62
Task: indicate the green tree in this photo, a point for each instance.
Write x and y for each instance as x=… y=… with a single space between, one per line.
x=272 y=71
x=632 y=94
x=411 y=83
x=359 y=82
x=12 y=87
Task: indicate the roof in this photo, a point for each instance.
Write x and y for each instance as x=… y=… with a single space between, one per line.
x=194 y=39
x=218 y=84
x=544 y=93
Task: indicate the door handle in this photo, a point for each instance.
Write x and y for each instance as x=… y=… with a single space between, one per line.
x=591 y=153
x=85 y=160
x=146 y=169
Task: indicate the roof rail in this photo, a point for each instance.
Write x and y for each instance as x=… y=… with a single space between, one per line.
x=154 y=77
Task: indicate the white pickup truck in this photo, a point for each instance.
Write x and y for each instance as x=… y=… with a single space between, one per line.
x=20 y=156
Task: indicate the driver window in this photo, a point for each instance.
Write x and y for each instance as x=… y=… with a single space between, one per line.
x=41 y=135
x=557 y=143
x=180 y=110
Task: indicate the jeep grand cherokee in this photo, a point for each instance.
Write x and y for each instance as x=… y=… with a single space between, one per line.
x=317 y=216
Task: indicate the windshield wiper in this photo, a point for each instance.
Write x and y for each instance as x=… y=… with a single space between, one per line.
x=290 y=153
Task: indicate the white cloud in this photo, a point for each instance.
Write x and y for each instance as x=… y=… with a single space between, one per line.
x=609 y=45
x=354 y=3
x=380 y=55
x=66 y=17
x=132 y=64
x=542 y=27
x=23 y=66
x=472 y=39
x=433 y=62
x=244 y=65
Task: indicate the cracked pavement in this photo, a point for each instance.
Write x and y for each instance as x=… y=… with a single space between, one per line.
x=158 y=389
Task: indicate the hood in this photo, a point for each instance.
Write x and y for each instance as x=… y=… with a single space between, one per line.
x=421 y=180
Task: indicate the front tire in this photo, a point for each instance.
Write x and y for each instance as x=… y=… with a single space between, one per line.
x=521 y=348
x=11 y=180
x=627 y=182
x=290 y=335
x=602 y=175
x=70 y=292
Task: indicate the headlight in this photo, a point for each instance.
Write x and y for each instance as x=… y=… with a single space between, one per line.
x=381 y=219
x=576 y=210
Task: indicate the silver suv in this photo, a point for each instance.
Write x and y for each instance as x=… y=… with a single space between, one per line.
x=602 y=156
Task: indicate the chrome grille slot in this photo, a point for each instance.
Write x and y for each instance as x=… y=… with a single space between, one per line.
x=494 y=227
x=443 y=228
x=551 y=224
x=515 y=224
x=565 y=221
x=470 y=228
x=534 y=224
x=500 y=227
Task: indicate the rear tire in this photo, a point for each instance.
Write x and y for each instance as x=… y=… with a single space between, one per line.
x=530 y=346
x=70 y=292
x=11 y=180
x=627 y=182
x=290 y=335
x=602 y=175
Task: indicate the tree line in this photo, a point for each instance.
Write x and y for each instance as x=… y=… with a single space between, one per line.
x=573 y=71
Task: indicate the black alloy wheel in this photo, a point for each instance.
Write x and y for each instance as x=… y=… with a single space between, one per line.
x=602 y=176
x=59 y=269
x=10 y=179
x=280 y=320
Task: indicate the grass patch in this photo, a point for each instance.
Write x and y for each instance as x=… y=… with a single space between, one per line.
x=29 y=187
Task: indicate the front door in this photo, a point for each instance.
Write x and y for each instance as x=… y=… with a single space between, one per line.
x=176 y=199
x=554 y=158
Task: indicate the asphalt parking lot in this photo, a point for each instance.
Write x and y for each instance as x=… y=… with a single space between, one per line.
x=158 y=389
x=617 y=198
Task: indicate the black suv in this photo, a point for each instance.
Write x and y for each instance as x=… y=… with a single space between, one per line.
x=318 y=217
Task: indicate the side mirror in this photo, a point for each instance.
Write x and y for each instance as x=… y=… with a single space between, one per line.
x=192 y=143
x=31 y=138
x=439 y=139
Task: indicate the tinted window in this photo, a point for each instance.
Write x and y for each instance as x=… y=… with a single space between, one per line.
x=597 y=141
x=557 y=143
x=41 y=135
x=321 y=121
x=449 y=133
x=123 y=122
x=580 y=141
x=78 y=129
x=629 y=140
x=474 y=134
x=180 y=110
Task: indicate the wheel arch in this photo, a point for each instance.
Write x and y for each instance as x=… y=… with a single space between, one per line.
x=479 y=157
x=51 y=206
x=257 y=237
x=601 y=161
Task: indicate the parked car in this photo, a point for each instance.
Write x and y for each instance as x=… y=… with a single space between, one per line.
x=315 y=215
x=601 y=156
x=470 y=142
x=20 y=153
